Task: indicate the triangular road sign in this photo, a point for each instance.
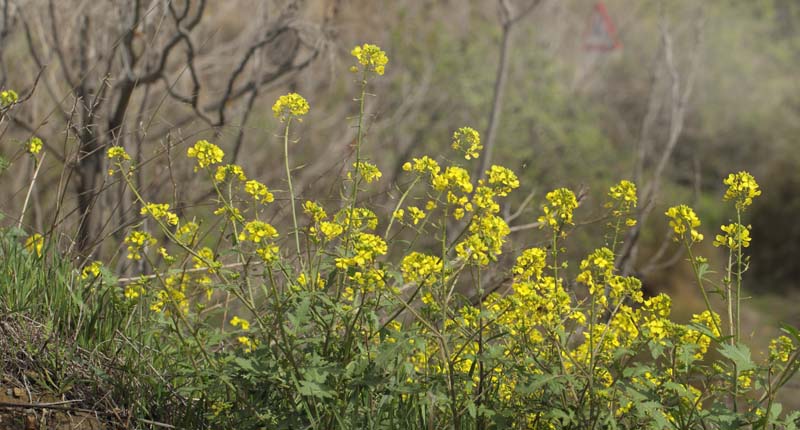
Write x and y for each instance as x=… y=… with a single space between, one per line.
x=601 y=35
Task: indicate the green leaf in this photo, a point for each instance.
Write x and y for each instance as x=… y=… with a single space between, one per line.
x=739 y=354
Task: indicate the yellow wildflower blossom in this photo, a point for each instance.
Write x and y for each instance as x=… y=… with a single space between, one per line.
x=236 y=322
x=232 y=170
x=291 y=105
x=371 y=57
x=117 y=153
x=368 y=171
x=206 y=153
x=558 y=212
x=34 y=145
x=160 y=211
x=468 y=141
x=315 y=211
x=136 y=241
x=742 y=188
x=736 y=236
x=35 y=243
x=683 y=219
x=8 y=97
x=91 y=270
x=259 y=191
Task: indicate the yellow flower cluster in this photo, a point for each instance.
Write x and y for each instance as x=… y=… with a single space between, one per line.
x=357 y=219
x=683 y=220
x=558 y=212
x=172 y=296
x=258 y=191
x=780 y=349
x=468 y=141
x=742 y=188
x=366 y=247
x=91 y=270
x=422 y=165
x=8 y=97
x=35 y=243
x=453 y=178
x=302 y=281
x=368 y=171
x=160 y=211
x=502 y=180
x=314 y=211
x=371 y=57
x=735 y=236
x=137 y=241
x=290 y=106
x=624 y=200
x=416 y=214
x=419 y=268
x=205 y=260
x=206 y=153
x=331 y=230
x=230 y=170
x=117 y=153
x=261 y=233
x=33 y=145
x=187 y=233
x=240 y=322
x=530 y=264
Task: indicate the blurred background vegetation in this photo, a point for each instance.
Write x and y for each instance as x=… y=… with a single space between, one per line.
x=694 y=90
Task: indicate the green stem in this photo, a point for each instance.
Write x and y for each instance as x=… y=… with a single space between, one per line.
x=700 y=284
x=291 y=191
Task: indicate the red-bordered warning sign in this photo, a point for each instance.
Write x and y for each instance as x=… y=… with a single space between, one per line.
x=601 y=35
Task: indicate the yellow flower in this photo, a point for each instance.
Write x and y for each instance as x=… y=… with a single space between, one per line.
x=416 y=214
x=206 y=153
x=136 y=241
x=187 y=233
x=683 y=219
x=34 y=145
x=372 y=57
x=502 y=180
x=315 y=211
x=742 y=188
x=91 y=270
x=248 y=343
x=331 y=230
x=35 y=242
x=454 y=177
x=468 y=141
x=257 y=231
x=8 y=97
x=357 y=218
x=259 y=191
x=236 y=321
x=366 y=247
x=780 y=349
x=530 y=264
x=160 y=211
x=422 y=165
x=398 y=214
x=736 y=236
x=368 y=171
x=117 y=153
x=233 y=170
x=291 y=105
x=420 y=268
x=133 y=291
x=205 y=260
x=558 y=212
